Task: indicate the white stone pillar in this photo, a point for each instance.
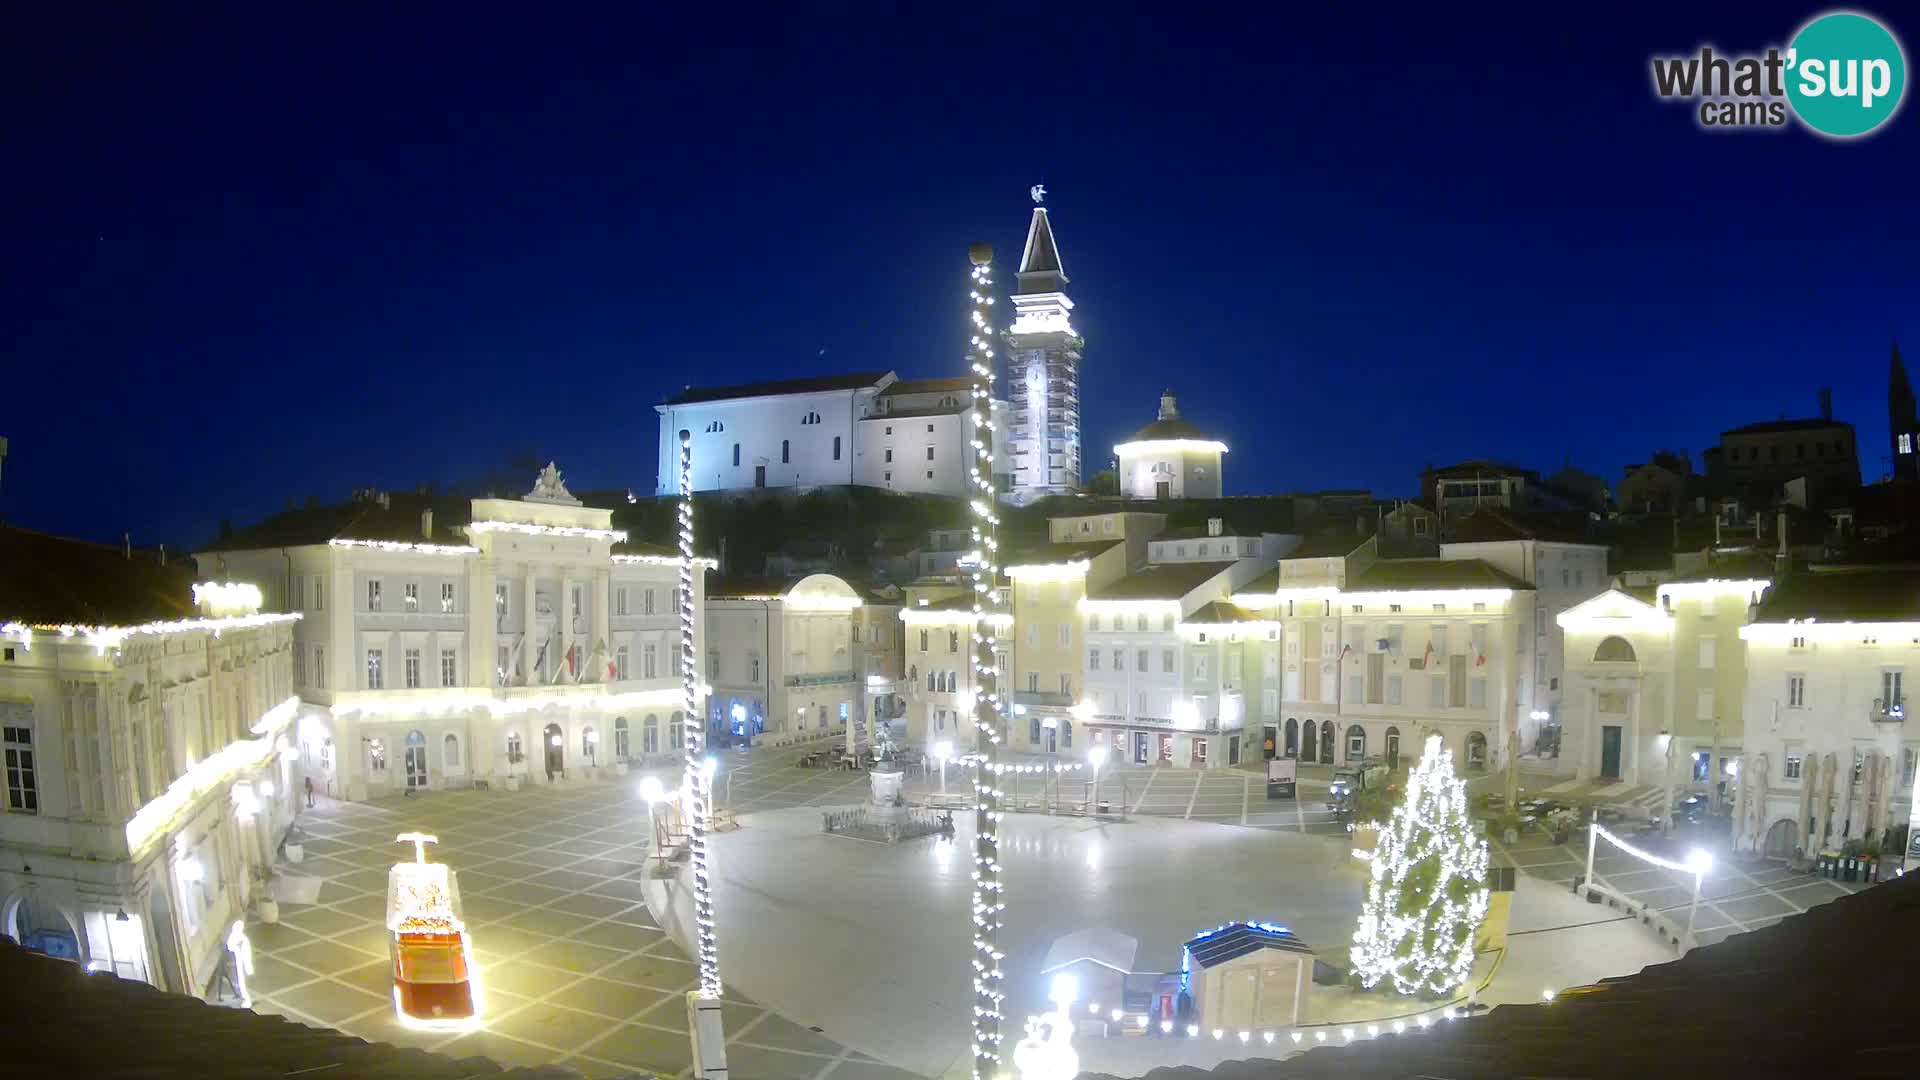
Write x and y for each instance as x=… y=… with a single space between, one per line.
x=530 y=643
x=602 y=636
x=565 y=616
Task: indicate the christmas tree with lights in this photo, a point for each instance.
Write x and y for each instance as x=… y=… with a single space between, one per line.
x=1428 y=892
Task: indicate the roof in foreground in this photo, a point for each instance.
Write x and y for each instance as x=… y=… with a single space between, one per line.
x=959 y=384
x=399 y=519
x=1160 y=581
x=1728 y=1007
x=1049 y=554
x=160 y=1036
x=1173 y=427
x=1769 y=426
x=1848 y=594
x=815 y=384
x=1221 y=611
x=54 y=580
x=1494 y=524
x=1238 y=939
x=1390 y=575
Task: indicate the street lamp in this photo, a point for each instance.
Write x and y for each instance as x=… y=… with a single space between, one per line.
x=1096 y=757
x=653 y=791
x=943 y=750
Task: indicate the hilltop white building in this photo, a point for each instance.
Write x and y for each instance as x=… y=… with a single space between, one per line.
x=871 y=429
x=1170 y=458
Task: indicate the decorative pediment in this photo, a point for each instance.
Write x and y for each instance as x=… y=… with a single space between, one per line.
x=1615 y=611
x=548 y=487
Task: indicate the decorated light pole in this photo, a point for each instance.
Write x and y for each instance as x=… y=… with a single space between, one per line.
x=703 y=1005
x=989 y=897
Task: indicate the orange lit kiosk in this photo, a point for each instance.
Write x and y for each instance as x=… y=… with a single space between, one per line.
x=432 y=978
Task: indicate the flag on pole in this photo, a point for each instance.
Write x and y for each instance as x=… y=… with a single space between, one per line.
x=1428 y=655
x=1480 y=661
x=1344 y=650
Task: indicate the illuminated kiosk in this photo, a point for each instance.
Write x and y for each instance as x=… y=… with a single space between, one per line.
x=432 y=974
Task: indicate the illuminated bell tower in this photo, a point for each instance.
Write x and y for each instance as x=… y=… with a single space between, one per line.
x=1043 y=370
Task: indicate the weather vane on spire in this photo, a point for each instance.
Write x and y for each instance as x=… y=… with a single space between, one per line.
x=1039 y=192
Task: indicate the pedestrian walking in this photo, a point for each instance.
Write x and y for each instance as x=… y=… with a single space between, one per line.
x=309 y=782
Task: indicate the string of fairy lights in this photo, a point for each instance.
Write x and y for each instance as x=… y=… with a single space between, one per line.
x=699 y=779
x=989 y=897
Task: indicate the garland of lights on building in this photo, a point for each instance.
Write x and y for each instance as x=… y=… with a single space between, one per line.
x=1428 y=891
x=989 y=898
x=699 y=780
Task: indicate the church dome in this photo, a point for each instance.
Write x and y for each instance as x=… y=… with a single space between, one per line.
x=1170 y=425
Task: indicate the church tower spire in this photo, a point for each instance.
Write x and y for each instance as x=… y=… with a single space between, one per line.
x=1902 y=423
x=1043 y=368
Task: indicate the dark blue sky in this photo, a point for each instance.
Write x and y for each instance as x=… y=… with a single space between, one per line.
x=291 y=250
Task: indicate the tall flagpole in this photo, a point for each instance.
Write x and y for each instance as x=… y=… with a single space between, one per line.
x=989 y=899
x=703 y=1005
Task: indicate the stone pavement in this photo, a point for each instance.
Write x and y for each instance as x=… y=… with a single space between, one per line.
x=572 y=968
x=1736 y=896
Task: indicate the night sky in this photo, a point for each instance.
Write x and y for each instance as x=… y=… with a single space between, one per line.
x=285 y=250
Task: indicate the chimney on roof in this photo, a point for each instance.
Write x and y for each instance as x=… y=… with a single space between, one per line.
x=426 y=523
x=1214 y=526
x=1782 y=561
x=386 y=502
x=126 y=546
x=163 y=554
x=1826 y=403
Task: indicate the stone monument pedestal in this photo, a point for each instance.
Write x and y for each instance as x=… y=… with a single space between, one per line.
x=885 y=800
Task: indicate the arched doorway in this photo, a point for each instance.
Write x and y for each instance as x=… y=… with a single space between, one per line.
x=1293 y=737
x=1309 y=744
x=41 y=926
x=1356 y=744
x=1393 y=748
x=450 y=752
x=1326 y=741
x=416 y=759
x=1782 y=840
x=1476 y=751
x=555 y=745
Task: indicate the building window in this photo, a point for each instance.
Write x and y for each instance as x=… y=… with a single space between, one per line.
x=589 y=742
x=319 y=595
x=736 y=455
x=376 y=755
x=1703 y=706
x=1066 y=685
x=889 y=455
x=449 y=668
x=1066 y=635
x=1093 y=623
x=753 y=667
x=1437 y=695
x=1140 y=660
x=502 y=659
x=450 y=751
x=1790 y=768
x=649 y=661
x=620 y=600
x=1796 y=691
x=410 y=663
x=573 y=601
x=1706 y=652
x=1906 y=442
x=375 y=681
x=319 y=667
x=1093 y=659
x=1908 y=757
x=620 y=656
x=1140 y=623
x=410 y=596
x=836 y=448
x=716 y=427
x=500 y=601
x=23 y=782
x=1477 y=693
x=1033 y=687
x=446 y=598
x=647 y=602
x=373 y=595
x=929 y=453
x=786 y=452
x=1890 y=687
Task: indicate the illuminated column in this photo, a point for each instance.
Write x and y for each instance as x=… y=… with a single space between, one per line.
x=530 y=635
x=703 y=1005
x=600 y=650
x=989 y=901
x=565 y=671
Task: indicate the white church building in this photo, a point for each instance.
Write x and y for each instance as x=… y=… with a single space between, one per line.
x=870 y=429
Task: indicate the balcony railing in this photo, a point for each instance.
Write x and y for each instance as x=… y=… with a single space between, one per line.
x=1888 y=712
x=1048 y=698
